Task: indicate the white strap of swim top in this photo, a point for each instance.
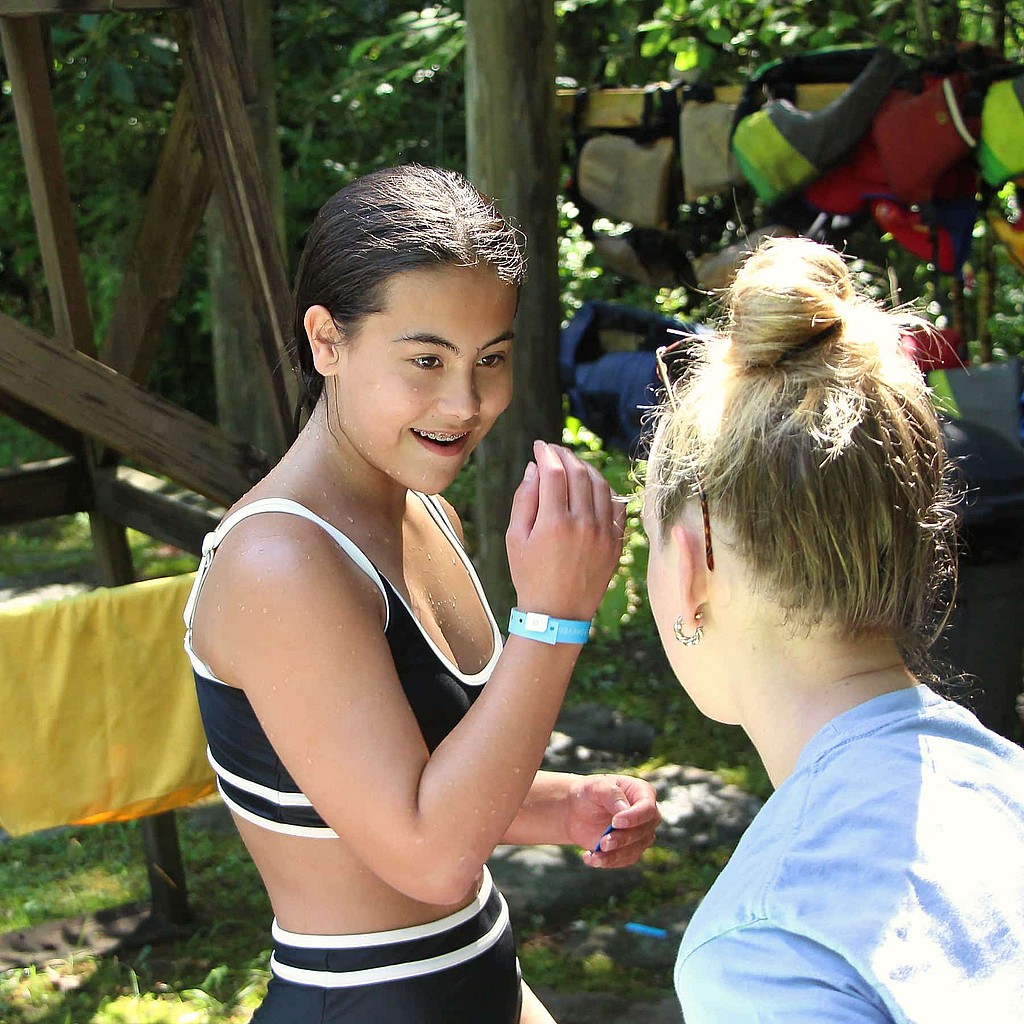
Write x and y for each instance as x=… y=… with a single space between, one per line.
x=287 y=507
x=438 y=514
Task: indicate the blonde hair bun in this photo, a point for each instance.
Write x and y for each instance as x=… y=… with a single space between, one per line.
x=791 y=297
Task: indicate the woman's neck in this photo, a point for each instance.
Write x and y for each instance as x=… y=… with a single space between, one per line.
x=807 y=683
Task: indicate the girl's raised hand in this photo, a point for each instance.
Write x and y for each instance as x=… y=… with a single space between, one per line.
x=564 y=537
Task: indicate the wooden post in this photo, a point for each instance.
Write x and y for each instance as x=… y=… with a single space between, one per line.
x=24 y=42
x=167 y=886
x=239 y=185
x=155 y=266
x=512 y=139
x=245 y=396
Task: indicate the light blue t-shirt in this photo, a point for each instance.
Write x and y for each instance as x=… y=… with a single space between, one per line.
x=883 y=881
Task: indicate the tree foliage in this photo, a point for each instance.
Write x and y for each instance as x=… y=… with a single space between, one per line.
x=369 y=83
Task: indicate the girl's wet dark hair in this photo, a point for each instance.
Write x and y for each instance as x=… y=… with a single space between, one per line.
x=390 y=221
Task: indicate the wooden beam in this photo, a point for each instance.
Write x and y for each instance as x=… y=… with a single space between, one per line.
x=230 y=149
x=97 y=401
x=41 y=490
x=27 y=64
x=21 y=8
x=146 y=503
x=24 y=41
x=24 y=49
x=624 y=108
x=153 y=272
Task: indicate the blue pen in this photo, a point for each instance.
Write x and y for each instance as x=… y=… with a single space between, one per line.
x=645 y=929
x=607 y=831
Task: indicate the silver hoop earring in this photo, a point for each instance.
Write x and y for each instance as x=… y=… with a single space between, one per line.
x=693 y=638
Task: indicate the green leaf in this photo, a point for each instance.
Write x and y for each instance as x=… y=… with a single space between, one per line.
x=687 y=53
x=363 y=47
x=120 y=81
x=163 y=53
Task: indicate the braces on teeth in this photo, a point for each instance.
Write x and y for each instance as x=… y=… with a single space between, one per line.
x=440 y=437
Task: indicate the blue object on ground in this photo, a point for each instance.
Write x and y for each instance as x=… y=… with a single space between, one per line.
x=646 y=929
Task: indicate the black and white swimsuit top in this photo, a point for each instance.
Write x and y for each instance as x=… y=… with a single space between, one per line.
x=251 y=777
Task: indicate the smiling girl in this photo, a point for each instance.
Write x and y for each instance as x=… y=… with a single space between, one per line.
x=371 y=734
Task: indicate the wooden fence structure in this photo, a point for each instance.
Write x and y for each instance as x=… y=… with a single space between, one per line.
x=89 y=398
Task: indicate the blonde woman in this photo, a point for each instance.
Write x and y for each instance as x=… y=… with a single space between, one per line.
x=801 y=550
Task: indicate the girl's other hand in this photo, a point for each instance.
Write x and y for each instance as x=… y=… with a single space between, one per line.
x=564 y=537
x=622 y=801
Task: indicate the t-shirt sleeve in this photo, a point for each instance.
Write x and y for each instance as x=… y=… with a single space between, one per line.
x=760 y=974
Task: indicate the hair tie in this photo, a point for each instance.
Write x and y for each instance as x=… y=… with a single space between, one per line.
x=810 y=342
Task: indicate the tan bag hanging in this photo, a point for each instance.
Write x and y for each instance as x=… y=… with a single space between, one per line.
x=627 y=180
x=705 y=130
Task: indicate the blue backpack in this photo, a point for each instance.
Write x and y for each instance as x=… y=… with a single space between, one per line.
x=608 y=368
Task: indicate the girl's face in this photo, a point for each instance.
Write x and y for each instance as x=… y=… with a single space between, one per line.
x=419 y=385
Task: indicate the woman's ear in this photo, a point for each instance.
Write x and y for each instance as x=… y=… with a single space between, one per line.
x=691 y=574
x=323 y=336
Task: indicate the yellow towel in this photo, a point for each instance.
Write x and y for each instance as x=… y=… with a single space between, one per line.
x=100 y=721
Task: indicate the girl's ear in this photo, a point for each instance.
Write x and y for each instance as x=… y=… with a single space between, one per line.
x=691 y=574
x=323 y=336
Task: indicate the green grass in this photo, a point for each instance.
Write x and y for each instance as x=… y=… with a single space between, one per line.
x=62 y=546
x=215 y=975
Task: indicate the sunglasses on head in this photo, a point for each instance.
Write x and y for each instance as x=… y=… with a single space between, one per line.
x=673 y=361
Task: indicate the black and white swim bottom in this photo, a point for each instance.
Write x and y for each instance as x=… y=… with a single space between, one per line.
x=461 y=969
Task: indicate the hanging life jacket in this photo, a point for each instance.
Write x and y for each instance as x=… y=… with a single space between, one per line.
x=1001 y=149
x=780 y=148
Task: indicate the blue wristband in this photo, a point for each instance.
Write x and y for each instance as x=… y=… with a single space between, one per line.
x=547 y=629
